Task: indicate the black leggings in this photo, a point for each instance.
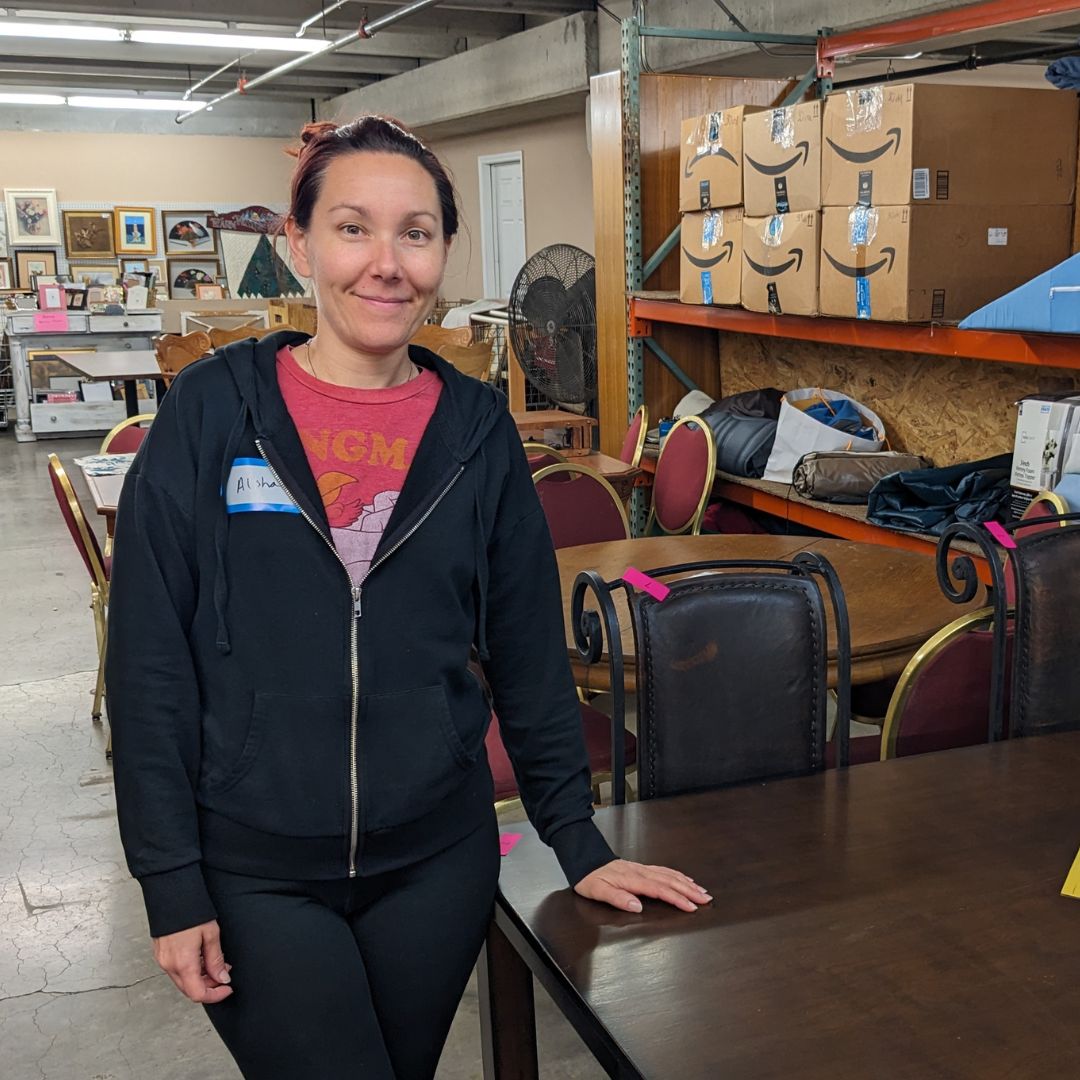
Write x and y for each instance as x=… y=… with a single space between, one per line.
x=352 y=979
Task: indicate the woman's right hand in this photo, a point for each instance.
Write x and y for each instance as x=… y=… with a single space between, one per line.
x=192 y=958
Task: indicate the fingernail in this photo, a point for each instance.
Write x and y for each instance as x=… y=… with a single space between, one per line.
x=692 y=907
x=223 y=977
x=708 y=898
x=634 y=905
x=700 y=888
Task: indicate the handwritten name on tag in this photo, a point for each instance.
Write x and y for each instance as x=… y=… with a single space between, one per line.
x=251 y=488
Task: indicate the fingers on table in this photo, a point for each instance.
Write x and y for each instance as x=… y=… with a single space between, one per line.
x=661 y=883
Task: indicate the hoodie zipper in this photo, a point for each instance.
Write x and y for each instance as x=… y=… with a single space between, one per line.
x=354 y=652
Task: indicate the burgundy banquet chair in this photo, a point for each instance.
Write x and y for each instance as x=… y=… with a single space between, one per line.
x=581 y=507
x=684 y=478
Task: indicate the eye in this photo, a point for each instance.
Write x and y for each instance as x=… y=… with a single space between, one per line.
x=417 y=236
x=351 y=230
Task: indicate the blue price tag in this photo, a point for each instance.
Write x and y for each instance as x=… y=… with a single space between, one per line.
x=706 y=287
x=862 y=298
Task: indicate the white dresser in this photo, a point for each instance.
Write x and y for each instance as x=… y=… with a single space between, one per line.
x=36 y=375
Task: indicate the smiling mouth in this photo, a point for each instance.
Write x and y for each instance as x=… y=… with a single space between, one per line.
x=388 y=300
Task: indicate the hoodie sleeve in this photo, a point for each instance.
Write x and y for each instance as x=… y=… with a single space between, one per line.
x=153 y=703
x=531 y=682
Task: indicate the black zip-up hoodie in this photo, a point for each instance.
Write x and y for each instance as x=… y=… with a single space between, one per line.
x=270 y=719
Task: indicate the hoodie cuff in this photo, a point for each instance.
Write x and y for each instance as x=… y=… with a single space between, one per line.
x=176 y=900
x=580 y=849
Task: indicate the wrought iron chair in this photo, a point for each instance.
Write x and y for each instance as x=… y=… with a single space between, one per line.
x=942 y=699
x=127 y=436
x=580 y=505
x=685 y=471
x=96 y=564
x=634 y=439
x=702 y=723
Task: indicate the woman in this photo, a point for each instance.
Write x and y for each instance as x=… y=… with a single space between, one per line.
x=313 y=537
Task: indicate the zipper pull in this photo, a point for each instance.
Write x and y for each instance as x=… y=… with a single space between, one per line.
x=356 y=600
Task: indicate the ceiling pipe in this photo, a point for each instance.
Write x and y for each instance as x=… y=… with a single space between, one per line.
x=363 y=31
x=320 y=16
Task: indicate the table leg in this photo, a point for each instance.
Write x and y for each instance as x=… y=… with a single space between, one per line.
x=131 y=397
x=159 y=389
x=507 y=1016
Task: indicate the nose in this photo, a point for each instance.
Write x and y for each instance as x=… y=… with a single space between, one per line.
x=385 y=260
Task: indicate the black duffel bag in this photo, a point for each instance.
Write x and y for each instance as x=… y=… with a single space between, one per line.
x=930 y=500
x=744 y=428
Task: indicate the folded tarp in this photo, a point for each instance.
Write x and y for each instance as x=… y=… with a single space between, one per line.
x=1047 y=304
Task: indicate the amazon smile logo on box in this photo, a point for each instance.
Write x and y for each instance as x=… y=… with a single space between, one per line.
x=889 y=258
x=800 y=158
x=864 y=157
x=726 y=250
x=783 y=268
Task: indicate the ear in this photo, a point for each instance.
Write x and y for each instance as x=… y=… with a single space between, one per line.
x=298 y=244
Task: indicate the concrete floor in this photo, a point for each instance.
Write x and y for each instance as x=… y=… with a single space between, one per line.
x=80 y=995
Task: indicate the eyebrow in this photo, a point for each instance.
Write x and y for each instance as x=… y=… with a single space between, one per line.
x=364 y=212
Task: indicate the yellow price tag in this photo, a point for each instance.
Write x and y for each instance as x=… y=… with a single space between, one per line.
x=1072 y=881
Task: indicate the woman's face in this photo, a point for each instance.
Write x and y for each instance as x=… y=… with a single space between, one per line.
x=374 y=250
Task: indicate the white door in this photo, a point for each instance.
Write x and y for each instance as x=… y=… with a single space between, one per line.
x=502 y=196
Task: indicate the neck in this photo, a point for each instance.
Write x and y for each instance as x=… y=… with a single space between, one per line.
x=333 y=362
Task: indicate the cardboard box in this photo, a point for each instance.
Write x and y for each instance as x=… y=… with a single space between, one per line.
x=933 y=263
x=782 y=160
x=780 y=263
x=961 y=145
x=1046 y=438
x=711 y=257
x=711 y=159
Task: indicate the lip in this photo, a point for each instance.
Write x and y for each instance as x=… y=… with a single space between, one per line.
x=387 y=302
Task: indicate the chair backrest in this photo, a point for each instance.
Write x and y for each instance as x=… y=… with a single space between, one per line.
x=732 y=670
x=942 y=700
x=474 y=360
x=1046 y=675
x=220 y=336
x=585 y=510
x=85 y=540
x=685 y=472
x=541 y=455
x=1039 y=515
x=127 y=436
x=634 y=439
x=433 y=337
x=175 y=351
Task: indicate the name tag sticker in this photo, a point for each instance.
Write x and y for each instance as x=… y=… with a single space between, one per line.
x=251 y=488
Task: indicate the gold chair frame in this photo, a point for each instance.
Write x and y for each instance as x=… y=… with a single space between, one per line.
x=1056 y=501
x=890 y=731
x=543 y=448
x=99 y=585
x=142 y=418
x=639 y=448
x=584 y=470
x=693 y=525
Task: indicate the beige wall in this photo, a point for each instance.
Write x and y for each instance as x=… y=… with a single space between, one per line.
x=199 y=170
x=558 y=192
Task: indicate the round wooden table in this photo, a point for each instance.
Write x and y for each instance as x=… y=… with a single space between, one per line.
x=893 y=597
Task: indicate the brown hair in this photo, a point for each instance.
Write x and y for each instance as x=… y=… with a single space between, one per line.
x=321 y=143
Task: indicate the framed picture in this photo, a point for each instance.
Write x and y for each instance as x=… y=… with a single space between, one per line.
x=209 y=292
x=133 y=267
x=187 y=232
x=76 y=297
x=51 y=297
x=30 y=263
x=95 y=295
x=7 y=274
x=134 y=230
x=88 y=234
x=99 y=276
x=185 y=274
x=32 y=218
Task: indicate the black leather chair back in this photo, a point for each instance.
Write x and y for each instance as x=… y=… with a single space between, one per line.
x=1046 y=653
x=731 y=681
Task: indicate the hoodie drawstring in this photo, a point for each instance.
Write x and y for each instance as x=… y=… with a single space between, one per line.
x=221 y=533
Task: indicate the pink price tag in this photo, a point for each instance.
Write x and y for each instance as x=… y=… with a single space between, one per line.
x=999 y=534
x=507 y=842
x=656 y=589
x=50 y=322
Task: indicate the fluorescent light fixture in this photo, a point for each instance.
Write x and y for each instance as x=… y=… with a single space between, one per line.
x=30 y=99
x=175 y=105
x=64 y=32
x=236 y=42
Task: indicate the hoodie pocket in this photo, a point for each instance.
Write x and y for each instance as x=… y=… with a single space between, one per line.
x=292 y=773
x=411 y=755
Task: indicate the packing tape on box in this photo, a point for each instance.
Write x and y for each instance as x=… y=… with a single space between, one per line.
x=782 y=126
x=706 y=286
x=712 y=229
x=773 y=233
x=707 y=138
x=862 y=298
x=864 y=109
x=862 y=226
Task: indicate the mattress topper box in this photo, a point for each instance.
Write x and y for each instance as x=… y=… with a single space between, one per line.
x=711 y=159
x=1046 y=441
x=933 y=263
x=711 y=256
x=782 y=160
x=780 y=263
x=962 y=145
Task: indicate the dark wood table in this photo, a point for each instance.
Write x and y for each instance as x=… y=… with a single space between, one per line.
x=893 y=598
x=900 y=919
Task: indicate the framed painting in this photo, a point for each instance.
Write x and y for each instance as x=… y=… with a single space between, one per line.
x=185 y=274
x=88 y=234
x=187 y=232
x=130 y=268
x=32 y=218
x=134 y=230
x=96 y=276
x=31 y=264
x=7 y=275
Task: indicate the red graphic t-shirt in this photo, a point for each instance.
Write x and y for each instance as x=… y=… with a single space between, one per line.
x=359 y=444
